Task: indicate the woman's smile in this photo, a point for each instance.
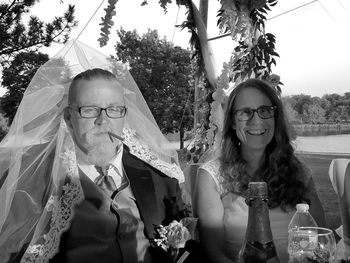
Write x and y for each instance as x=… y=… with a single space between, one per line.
x=257 y=132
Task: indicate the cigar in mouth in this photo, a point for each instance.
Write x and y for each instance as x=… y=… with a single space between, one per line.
x=112 y=135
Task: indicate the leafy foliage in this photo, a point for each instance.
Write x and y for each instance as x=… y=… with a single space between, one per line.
x=256 y=59
x=107 y=23
x=107 y=20
x=253 y=56
x=331 y=108
x=164 y=74
x=3 y=126
x=255 y=53
x=15 y=36
x=19 y=73
x=16 y=77
x=191 y=26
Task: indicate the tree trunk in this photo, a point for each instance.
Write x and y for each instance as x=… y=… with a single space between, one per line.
x=182 y=135
x=203 y=10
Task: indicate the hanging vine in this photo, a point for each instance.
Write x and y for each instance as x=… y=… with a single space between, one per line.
x=244 y=19
x=107 y=20
x=255 y=53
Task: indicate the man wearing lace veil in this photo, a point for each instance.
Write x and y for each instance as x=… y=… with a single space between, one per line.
x=84 y=174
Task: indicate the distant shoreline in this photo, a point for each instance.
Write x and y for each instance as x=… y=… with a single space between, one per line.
x=324 y=154
x=345 y=125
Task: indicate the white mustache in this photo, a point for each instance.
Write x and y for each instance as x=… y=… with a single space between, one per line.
x=96 y=132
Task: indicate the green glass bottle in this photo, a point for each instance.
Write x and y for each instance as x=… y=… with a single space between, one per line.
x=258 y=246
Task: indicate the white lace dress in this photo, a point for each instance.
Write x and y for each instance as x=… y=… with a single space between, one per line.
x=236 y=217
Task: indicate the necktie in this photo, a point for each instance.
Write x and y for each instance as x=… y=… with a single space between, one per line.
x=105 y=181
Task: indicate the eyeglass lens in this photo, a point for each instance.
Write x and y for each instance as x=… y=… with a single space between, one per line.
x=264 y=112
x=113 y=112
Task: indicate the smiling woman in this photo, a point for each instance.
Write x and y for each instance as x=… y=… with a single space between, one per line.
x=255 y=147
x=255 y=131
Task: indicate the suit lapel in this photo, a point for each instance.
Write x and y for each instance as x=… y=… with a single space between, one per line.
x=142 y=185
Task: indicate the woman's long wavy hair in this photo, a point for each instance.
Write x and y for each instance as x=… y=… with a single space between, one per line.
x=284 y=174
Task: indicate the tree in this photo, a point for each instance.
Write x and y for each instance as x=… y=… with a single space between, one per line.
x=16 y=77
x=314 y=114
x=16 y=37
x=301 y=101
x=3 y=126
x=332 y=112
x=164 y=74
x=344 y=113
x=292 y=115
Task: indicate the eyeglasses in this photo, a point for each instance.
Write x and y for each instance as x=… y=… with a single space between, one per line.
x=113 y=112
x=264 y=112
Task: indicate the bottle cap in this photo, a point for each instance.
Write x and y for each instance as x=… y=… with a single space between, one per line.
x=257 y=189
x=302 y=207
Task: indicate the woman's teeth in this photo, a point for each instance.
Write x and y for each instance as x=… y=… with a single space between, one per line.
x=256 y=132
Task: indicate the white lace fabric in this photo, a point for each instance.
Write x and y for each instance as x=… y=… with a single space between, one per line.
x=214 y=169
x=41 y=184
x=61 y=211
x=143 y=152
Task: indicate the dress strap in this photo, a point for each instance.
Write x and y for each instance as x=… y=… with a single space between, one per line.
x=213 y=167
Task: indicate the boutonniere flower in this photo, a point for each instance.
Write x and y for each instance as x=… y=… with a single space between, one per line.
x=174 y=236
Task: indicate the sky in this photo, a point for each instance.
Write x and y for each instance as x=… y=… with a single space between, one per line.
x=312 y=41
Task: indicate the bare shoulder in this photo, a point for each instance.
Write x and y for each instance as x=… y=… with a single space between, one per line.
x=210 y=174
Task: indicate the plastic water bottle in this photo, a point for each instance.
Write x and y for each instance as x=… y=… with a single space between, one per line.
x=301 y=242
x=302 y=217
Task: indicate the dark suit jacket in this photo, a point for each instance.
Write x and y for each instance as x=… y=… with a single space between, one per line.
x=159 y=202
x=158 y=196
x=92 y=236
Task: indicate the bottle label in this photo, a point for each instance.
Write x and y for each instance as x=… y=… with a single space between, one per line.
x=256 y=252
x=302 y=240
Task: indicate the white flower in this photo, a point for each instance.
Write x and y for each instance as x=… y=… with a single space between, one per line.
x=176 y=234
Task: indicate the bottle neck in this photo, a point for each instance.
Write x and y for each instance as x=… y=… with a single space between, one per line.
x=258 y=228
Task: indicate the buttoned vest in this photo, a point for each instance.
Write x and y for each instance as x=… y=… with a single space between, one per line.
x=104 y=230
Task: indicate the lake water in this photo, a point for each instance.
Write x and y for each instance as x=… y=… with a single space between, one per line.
x=330 y=144
x=322 y=131
x=321 y=141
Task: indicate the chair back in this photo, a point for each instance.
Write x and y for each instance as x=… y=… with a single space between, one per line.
x=339 y=174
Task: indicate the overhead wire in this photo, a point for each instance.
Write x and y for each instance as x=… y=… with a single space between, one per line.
x=87 y=23
x=341 y=4
x=177 y=16
x=325 y=9
x=90 y=19
x=293 y=9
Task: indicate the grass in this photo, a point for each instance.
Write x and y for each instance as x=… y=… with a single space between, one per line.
x=319 y=164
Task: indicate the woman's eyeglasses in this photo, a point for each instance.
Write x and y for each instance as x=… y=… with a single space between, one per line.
x=113 y=112
x=264 y=112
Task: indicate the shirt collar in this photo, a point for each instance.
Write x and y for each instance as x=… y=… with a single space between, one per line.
x=82 y=158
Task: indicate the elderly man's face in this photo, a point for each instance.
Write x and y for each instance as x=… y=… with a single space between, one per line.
x=91 y=132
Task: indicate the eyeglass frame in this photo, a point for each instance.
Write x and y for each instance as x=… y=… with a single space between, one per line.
x=78 y=109
x=273 y=108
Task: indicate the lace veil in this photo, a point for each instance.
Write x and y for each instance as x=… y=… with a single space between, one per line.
x=38 y=172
